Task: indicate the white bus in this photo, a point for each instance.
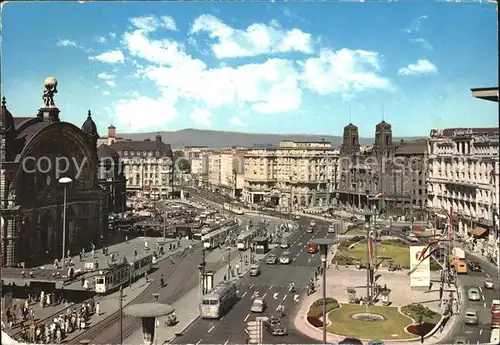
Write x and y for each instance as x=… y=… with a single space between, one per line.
x=245 y=239
x=217 y=237
x=218 y=301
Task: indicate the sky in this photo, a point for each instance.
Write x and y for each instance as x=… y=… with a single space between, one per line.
x=254 y=67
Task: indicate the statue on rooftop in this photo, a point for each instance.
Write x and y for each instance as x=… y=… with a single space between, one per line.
x=50 y=84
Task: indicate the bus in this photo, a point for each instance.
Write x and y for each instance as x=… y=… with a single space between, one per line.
x=217 y=237
x=245 y=239
x=218 y=301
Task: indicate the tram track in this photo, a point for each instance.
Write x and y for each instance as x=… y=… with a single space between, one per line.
x=184 y=277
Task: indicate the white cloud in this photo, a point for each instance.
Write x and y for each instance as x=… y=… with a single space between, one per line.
x=152 y=23
x=105 y=76
x=112 y=35
x=106 y=93
x=110 y=83
x=100 y=39
x=112 y=57
x=257 y=39
x=422 y=42
x=237 y=121
x=201 y=116
x=345 y=71
x=415 y=25
x=67 y=43
x=422 y=66
x=143 y=113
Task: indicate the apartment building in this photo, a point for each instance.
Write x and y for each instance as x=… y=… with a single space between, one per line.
x=294 y=173
x=463 y=173
x=225 y=171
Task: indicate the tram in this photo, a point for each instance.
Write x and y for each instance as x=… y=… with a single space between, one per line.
x=219 y=300
x=245 y=239
x=217 y=237
x=111 y=279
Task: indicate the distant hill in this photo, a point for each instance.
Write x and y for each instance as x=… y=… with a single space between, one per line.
x=217 y=139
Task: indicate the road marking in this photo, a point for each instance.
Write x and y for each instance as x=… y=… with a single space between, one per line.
x=246 y=331
x=309 y=260
x=488 y=275
x=296 y=298
x=278 y=307
x=227 y=342
x=251 y=286
x=483 y=298
x=480 y=289
x=264 y=296
x=270 y=287
x=284 y=298
x=275 y=296
x=246 y=317
x=480 y=331
x=199 y=341
x=244 y=294
x=485 y=304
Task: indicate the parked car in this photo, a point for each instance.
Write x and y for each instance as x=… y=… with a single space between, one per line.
x=474 y=266
x=274 y=326
x=309 y=230
x=471 y=317
x=271 y=259
x=312 y=224
x=258 y=305
x=284 y=244
x=254 y=271
x=473 y=294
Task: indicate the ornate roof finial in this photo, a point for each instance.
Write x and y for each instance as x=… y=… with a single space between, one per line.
x=4 y=102
x=89 y=114
x=50 y=84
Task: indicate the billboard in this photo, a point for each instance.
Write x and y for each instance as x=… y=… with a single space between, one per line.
x=421 y=276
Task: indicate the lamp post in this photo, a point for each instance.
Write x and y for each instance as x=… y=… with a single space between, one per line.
x=64 y=181
x=291 y=199
x=324 y=244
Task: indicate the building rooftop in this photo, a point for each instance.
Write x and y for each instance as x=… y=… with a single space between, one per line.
x=486 y=93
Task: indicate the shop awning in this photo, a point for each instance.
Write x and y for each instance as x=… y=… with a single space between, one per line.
x=478 y=231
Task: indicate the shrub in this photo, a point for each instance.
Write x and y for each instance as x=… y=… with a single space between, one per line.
x=395 y=242
x=355 y=239
x=343 y=260
x=318 y=304
x=315 y=321
x=317 y=313
x=418 y=312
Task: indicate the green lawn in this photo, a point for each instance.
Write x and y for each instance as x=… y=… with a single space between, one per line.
x=400 y=253
x=391 y=328
x=356 y=232
x=430 y=317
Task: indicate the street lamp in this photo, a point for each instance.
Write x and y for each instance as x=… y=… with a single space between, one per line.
x=64 y=181
x=324 y=244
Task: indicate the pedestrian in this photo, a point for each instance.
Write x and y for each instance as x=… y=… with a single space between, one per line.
x=97 y=309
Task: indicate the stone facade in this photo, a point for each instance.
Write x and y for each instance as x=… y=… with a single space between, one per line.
x=300 y=174
x=112 y=179
x=35 y=151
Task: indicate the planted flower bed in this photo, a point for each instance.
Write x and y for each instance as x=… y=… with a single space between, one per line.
x=316 y=311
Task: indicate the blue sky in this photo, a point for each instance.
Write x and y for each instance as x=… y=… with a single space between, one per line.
x=254 y=67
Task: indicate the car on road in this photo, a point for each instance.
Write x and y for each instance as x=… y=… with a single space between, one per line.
x=376 y=342
x=274 y=326
x=489 y=284
x=460 y=341
x=473 y=294
x=258 y=305
x=471 y=317
x=297 y=217
x=309 y=229
x=312 y=248
x=412 y=238
x=312 y=224
x=285 y=258
x=254 y=271
x=272 y=259
x=350 y=341
x=284 y=244
x=474 y=266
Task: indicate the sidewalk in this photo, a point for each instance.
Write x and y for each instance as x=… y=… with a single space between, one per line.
x=109 y=304
x=187 y=307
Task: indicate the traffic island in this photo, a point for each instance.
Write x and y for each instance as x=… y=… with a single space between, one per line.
x=425 y=319
x=369 y=322
x=315 y=313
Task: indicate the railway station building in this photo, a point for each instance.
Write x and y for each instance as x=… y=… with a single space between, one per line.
x=36 y=152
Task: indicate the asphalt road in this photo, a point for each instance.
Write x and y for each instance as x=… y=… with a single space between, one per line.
x=272 y=284
x=481 y=333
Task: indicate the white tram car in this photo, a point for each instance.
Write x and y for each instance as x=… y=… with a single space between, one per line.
x=219 y=300
x=125 y=273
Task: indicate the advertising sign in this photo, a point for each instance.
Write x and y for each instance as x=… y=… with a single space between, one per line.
x=421 y=276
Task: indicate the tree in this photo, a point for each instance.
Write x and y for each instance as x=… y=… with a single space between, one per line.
x=181 y=163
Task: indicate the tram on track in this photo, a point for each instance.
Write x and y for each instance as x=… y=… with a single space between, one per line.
x=219 y=300
x=111 y=279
